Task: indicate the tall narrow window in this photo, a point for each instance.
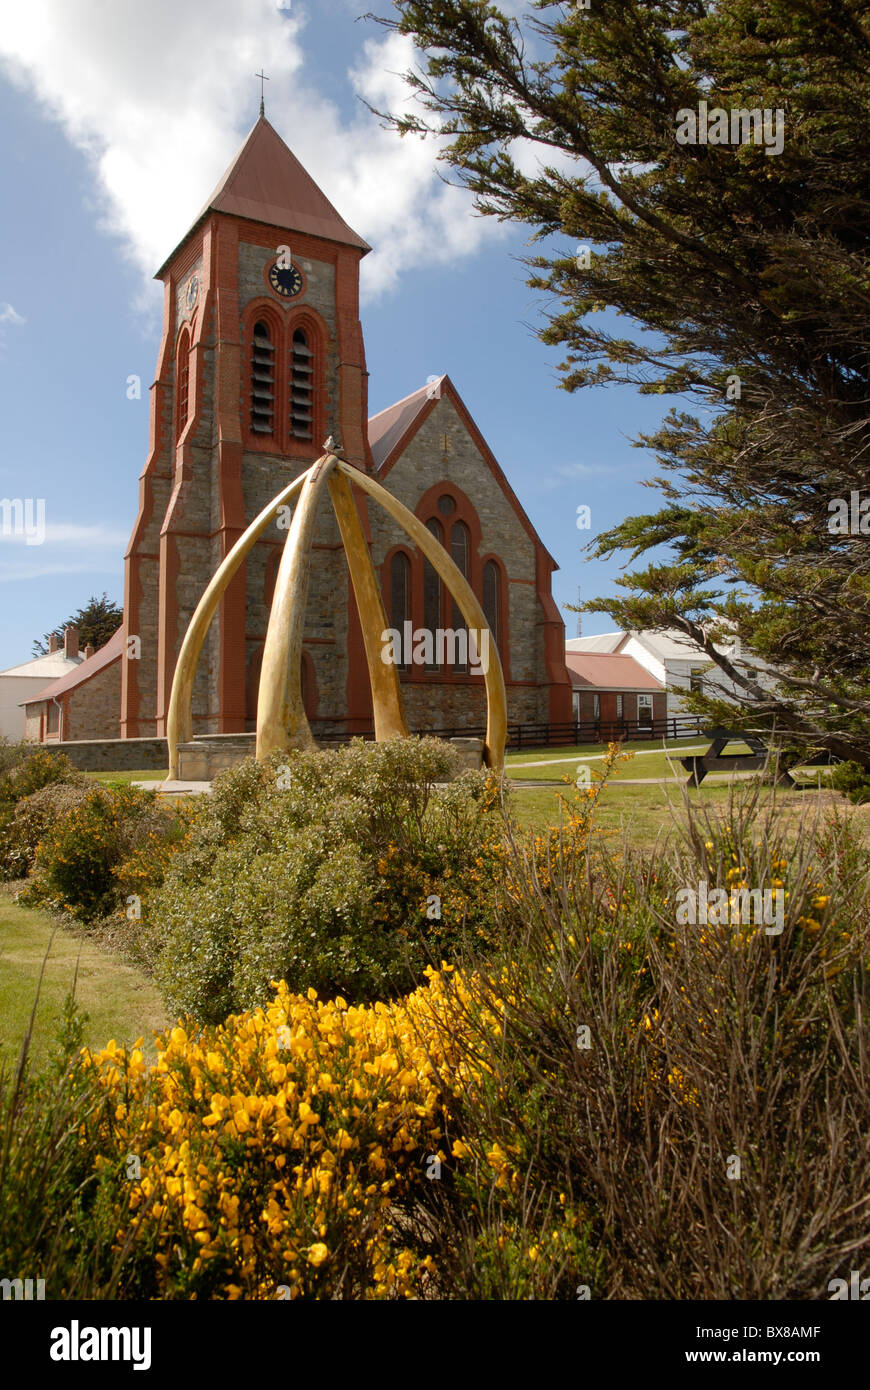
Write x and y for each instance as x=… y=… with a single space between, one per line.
x=301 y=387
x=400 y=597
x=492 y=599
x=459 y=550
x=182 y=369
x=432 y=594
x=262 y=380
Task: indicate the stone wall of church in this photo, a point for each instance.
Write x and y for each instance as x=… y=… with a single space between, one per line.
x=424 y=464
x=454 y=704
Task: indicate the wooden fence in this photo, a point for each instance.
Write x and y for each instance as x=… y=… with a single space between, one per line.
x=572 y=732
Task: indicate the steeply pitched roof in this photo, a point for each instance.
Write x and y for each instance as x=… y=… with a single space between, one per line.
x=605 y=671
x=112 y=651
x=388 y=426
x=266 y=183
x=391 y=431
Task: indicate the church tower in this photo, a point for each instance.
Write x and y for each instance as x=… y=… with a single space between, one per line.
x=261 y=360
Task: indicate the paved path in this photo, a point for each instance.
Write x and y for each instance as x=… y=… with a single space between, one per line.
x=597 y=757
x=168 y=788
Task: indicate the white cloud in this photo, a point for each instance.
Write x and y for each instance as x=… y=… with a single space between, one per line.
x=8 y=317
x=570 y=472
x=68 y=547
x=158 y=97
x=71 y=533
x=41 y=569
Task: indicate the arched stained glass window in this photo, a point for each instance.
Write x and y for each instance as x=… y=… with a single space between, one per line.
x=400 y=595
x=432 y=593
x=460 y=548
x=492 y=599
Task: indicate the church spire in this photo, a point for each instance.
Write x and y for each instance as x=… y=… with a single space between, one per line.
x=263 y=78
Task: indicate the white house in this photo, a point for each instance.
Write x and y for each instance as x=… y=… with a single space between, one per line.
x=20 y=683
x=678 y=663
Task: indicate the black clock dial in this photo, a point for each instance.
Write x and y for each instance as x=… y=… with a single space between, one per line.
x=285 y=280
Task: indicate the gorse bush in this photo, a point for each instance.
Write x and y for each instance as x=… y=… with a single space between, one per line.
x=275 y=1153
x=33 y=817
x=24 y=770
x=79 y=862
x=345 y=871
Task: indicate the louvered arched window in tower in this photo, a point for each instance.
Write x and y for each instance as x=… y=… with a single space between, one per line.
x=301 y=387
x=262 y=380
x=182 y=376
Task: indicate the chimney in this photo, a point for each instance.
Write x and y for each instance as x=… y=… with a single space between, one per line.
x=53 y=642
x=89 y=651
x=71 y=643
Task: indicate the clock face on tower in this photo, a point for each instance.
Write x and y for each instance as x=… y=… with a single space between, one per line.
x=285 y=280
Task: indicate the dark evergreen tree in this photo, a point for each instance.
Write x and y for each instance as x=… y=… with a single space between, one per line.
x=749 y=267
x=96 y=622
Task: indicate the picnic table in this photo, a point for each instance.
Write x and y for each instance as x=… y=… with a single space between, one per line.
x=715 y=761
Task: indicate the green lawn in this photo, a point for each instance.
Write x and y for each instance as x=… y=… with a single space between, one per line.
x=643 y=811
x=648 y=761
x=647 y=812
x=144 y=775
x=597 y=750
x=120 y=1001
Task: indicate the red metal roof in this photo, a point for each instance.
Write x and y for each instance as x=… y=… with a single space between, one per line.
x=388 y=426
x=112 y=651
x=606 y=671
x=266 y=183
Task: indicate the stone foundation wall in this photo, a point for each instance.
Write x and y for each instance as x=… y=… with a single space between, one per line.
x=113 y=754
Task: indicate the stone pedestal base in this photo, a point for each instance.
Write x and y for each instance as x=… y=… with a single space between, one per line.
x=203 y=759
x=470 y=752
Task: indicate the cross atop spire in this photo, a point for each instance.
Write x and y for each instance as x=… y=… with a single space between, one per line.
x=263 y=78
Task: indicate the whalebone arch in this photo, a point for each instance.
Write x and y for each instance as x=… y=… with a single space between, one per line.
x=281 y=720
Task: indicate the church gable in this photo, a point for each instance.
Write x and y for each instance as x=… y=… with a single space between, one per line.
x=434 y=459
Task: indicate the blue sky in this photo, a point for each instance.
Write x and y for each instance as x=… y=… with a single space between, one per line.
x=112 y=143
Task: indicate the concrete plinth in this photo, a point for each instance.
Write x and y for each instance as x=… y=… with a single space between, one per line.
x=470 y=752
x=204 y=758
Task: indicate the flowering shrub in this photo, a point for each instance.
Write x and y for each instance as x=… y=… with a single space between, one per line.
x=344 y=871
x=77 y=862
x=276 y=1155
x=25 y=770
x=31 y=819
